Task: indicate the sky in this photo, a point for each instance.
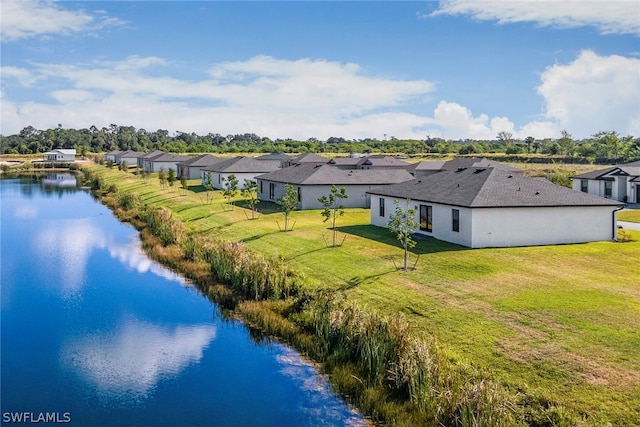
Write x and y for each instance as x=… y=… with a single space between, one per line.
x=454 y=69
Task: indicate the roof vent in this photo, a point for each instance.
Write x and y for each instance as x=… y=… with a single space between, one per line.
x=537 y=192
x=458 y=185
x=460 y=169
x=510 y=176
x=479 y=170
x=317 y=166
x=518 y=188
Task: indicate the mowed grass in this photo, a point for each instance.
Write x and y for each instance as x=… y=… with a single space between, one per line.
x=629 y=215
x=560 y=322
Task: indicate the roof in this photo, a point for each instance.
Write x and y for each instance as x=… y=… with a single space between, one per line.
x=243 y=164
x=274 y=156
x=462 y=162
x=631 y=169
x=309 y=158
x=382 y=161
x=168 y=157
x=310 y=174
x=63 y=151
x=113 y=153
x=345 y=161
x=152 y=154
x=202 y=160
x=130 y=153
x=490 y=187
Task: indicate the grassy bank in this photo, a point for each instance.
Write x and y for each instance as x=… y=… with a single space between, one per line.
x=552 y=330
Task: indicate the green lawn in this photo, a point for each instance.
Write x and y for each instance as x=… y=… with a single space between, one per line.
x=561 y=322
x=629 y=215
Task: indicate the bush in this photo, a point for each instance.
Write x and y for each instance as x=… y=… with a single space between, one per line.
x=129 y=200
x=161 y=224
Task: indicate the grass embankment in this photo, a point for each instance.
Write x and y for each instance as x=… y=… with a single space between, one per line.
x=554 y=327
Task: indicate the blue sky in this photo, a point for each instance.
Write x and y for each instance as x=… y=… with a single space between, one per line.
x=297 y=69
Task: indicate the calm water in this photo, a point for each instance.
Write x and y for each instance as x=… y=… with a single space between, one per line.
x=92 y=328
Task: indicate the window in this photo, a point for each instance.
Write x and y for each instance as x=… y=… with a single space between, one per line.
x=382 y=207
x=261 y=190
x=426 y=218
x=608 y=186
x=272 y=190
x=455 y=219
x=584 y=185
x=299 y=195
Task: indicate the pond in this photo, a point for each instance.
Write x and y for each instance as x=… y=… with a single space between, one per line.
x=95 y=333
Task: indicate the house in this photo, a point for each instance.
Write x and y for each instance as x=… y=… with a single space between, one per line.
x=148 y=156
x=620 y=183
x=128 y=157
x=490 y=207
x=425 y=168
x=61 y=155
x=163 y=161
x=369 y=162
x=111 y=156
x=306 y=158
x=192 y=168
x=242 y=167
x=283 y=158
x=313 y=181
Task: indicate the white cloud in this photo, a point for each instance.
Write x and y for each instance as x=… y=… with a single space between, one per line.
x=314 y=98
x=609 y=17
x=32 y=18
x=593 y=93
x=265 y=95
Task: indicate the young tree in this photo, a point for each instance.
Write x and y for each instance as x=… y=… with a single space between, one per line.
x=208 y=185
x=230 y=188
x=250 y=193
x=171 y=177
x=333 y=207
x=184 y=183
x=162 y=176
x=402 y=222
x=288 y=203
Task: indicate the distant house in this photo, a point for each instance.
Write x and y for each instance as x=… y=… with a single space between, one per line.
x=164 y=161
x=620 y=182
x=313 y=181
x=283 y=158
x=368 y=162
x=306 y=158
x=61 y=155
x=128 y=157
x=242 y=167
x=489 y=207
x=148 y=156
x=111 y=155
x=192 y=168
x=426 y=168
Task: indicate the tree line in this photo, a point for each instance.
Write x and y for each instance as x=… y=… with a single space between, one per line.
x=602 y=147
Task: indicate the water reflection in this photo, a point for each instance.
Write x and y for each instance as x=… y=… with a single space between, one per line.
x=136 y=356
x=60 y=180
x=67 y=244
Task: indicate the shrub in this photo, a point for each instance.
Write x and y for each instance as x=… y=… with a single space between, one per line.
x=161 y=223
x=129 y=200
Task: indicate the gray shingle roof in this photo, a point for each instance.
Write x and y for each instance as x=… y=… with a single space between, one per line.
x=309 y=158
x=243 y=164
x=631 y=168
x=489 y=187
x=152 y=154
x=168 y=157
x=310 y=174
x=274 y=156
x=202 y=160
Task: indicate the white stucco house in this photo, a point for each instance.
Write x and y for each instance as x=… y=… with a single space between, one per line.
x=111 y=155
x=489 y=207
x=620 y=182
x=61 y=155
x=242 y=167
x=313 y=181
x=129 y=157
x=192 y=168
x=164 y=161
x=148 y=156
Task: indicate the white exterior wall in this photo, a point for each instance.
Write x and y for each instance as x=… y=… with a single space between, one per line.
x=309 y=194
x=129 y=160
x=155 y=166
x=442 y=224
x=505 y=227
x=58 y=156
x=218 y=178
x=500 y=227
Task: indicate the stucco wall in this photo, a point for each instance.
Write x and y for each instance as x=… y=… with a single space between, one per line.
x=541 y=226
x=309 y=194
x=504 y=227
